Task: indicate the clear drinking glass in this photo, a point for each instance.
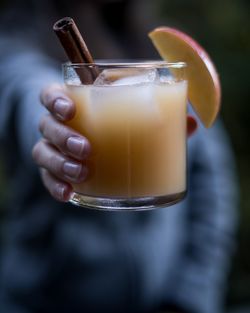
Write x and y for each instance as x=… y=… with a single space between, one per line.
x=134 y=115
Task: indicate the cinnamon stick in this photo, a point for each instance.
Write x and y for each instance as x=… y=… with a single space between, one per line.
x=75 y=48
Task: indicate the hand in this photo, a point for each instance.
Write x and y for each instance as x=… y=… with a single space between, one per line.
x=62 y=151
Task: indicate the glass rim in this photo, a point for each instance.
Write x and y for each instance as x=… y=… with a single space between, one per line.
x=128 y=63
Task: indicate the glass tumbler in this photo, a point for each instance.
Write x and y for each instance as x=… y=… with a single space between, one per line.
x=134 y=116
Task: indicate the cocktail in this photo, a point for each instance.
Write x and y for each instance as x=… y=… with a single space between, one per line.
x=134 y=115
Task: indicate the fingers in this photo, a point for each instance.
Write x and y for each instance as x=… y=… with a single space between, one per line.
x=58 y=164
x=57 y=102
x=191 y=125
x=60 y=190
x=61 y=151
x=64 y=138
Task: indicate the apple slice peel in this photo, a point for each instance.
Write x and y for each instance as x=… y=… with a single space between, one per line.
x=204 y=90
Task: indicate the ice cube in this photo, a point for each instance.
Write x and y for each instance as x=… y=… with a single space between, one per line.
x=165 y=76
x=126 y=76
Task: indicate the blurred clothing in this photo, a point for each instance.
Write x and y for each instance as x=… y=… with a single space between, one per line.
x=60 y=258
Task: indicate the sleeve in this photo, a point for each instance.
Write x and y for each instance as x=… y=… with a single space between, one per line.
x=24 y=72
x=211 y=224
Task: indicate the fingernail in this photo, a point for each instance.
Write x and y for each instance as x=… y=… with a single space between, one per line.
x=63 y=193
x=71 y=169
x=76 y=145
x=62 y=108
x=60 y=190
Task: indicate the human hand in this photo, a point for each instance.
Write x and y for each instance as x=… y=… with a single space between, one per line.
x=61 y=152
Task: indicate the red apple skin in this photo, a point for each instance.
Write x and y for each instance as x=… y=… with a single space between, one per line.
x=200 y=54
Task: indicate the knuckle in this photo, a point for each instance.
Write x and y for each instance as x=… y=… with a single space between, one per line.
x=55 y=164
x=61 y=134
x=53 y=131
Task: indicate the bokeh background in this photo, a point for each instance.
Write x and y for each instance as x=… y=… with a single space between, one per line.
x=223 y=28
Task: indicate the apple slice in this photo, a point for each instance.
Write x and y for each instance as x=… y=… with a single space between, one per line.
x=204 y=89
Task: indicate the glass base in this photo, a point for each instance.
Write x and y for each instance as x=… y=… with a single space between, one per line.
x=125 y=204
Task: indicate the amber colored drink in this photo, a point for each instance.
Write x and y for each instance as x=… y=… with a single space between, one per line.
x=137 y=133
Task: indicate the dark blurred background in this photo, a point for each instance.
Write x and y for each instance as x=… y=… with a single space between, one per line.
x=223 y=28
